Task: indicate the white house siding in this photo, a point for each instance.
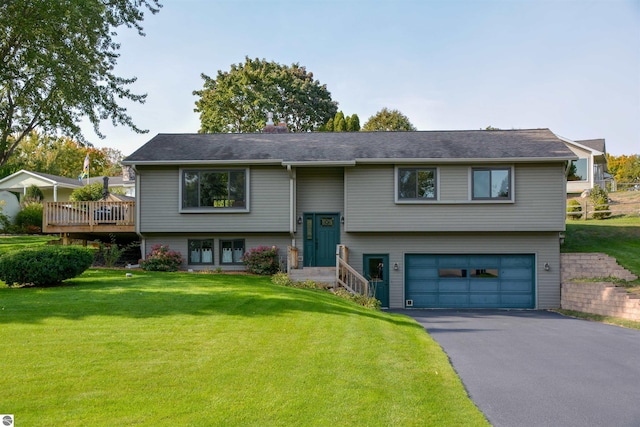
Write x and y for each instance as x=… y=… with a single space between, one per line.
x=160 y=204
x=539 y=201
x=319 y=190
x=545 y=247
x=179 y=242
x=580 y=186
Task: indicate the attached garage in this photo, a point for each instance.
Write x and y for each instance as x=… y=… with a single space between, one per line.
x=470 y=281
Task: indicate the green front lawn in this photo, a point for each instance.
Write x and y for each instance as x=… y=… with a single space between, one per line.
x=17 y=242
x=200 y=350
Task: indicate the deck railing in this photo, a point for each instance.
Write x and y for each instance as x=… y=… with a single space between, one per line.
x=347 y=276
x=88 y=216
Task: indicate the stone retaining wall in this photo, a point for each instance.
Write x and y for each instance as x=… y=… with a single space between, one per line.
x=601 y=298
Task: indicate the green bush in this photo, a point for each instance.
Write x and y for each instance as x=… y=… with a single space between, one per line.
x=574 y=206
x=162 y=259
x=262 y=260
x=34 y=194
x=281 y=279
x=369 y=302
x=88 y=193
x=44 y=266
x=29 y=219
x=600 y=199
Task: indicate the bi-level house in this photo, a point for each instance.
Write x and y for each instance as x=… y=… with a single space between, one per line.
x=438 y=218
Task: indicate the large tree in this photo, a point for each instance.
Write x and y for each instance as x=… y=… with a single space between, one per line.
x=388 y=120
x=238 y=100
x=58 y=59
x=625 y=169
x=61 y=156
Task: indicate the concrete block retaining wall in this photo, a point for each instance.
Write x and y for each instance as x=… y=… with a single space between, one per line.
x=601 y=298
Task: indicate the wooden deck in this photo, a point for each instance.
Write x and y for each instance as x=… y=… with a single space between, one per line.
x=88 y=217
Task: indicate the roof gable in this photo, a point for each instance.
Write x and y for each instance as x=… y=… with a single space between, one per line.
x=351 y=147
x=22 y=177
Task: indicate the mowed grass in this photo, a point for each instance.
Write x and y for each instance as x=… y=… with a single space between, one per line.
x=201 y=350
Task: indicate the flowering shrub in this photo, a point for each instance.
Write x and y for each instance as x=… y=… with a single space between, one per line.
x=262 y=260
x=162 y=259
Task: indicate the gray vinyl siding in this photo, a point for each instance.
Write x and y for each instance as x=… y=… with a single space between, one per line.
x=179 y=242
x=545 y=247
x=159 y=204
x=319 y=190
x=538 y=204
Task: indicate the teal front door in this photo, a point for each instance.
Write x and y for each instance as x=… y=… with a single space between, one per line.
x=376 y=271
x=321 y=236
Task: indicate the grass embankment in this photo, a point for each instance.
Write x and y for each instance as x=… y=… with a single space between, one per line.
x=195 y=349
x=618 y=237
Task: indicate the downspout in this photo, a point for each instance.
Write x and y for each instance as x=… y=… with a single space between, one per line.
x=292 y=205
x=55 y=192
x=143 y=249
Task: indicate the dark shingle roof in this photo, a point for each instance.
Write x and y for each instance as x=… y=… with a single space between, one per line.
x=353 y=146
x=595 y=144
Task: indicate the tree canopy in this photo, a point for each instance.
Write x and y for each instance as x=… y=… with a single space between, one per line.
x=61 y=156
x=624 y=169
x=58 y=60
x=238 y=100
x=388 y=120
x=342 y=123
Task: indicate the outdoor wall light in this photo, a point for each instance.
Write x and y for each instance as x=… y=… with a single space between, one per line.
x=396 y=267
x=299 y=220
x=342 y=219
x=547 y=267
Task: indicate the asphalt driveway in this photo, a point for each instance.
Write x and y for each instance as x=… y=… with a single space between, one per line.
x=537 y=368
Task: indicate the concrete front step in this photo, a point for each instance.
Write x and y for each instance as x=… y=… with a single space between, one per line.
x=317 y=274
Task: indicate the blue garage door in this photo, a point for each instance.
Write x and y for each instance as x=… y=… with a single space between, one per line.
x=469 y=281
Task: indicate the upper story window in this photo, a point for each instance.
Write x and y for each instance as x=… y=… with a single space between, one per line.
x=579 y=170
x=491 y=183
x=416 y=184
x=214 y=189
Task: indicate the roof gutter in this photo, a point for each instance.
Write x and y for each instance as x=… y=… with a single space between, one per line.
x=468 y=160
x=203 y=162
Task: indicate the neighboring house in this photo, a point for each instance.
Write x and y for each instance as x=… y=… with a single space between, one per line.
x=59 y=188
x=55 y=188
x=590 y=168
x=443 y=218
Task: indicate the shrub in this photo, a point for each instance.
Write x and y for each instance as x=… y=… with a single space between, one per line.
x=88 y=193
x=29 y=219
x=262 y=260
x=110 y=253
x=281 y=279
x=44 y=266
x=369 y=302
x=33 y=194
x=162 y=259
x=600 y=199
x=574 y=206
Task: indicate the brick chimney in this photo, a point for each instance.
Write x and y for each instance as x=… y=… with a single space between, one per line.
x=271 y=128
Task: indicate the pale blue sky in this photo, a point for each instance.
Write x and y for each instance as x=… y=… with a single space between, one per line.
x=571 y=66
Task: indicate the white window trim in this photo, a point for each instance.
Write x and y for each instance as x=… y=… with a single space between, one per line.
x=400 y=201
x=512 y=187
x=245 y=209
x=590 y=166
